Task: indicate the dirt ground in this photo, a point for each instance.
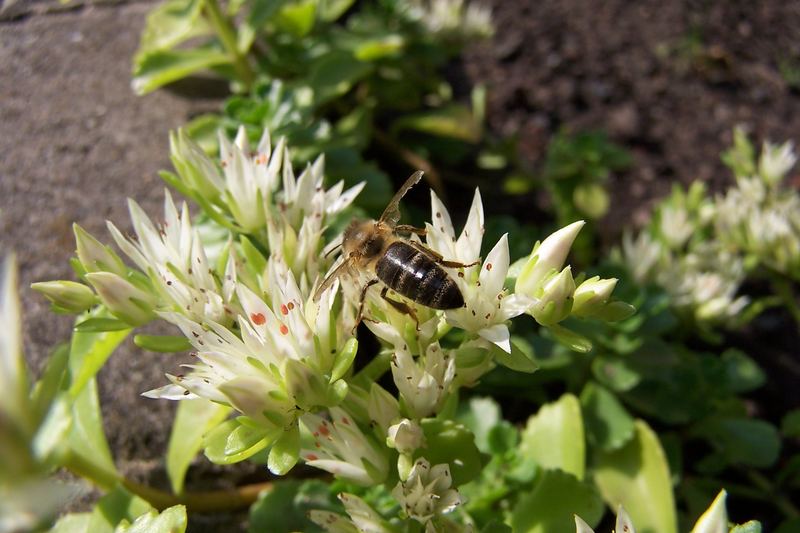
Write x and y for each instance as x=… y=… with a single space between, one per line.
x=668 y=80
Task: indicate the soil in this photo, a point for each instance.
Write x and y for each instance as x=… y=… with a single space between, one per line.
x=667 y=80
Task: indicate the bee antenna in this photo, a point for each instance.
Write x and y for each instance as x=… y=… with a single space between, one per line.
x=329 y=252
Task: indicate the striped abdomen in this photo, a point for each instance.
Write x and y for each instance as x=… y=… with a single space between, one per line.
x=417 y=277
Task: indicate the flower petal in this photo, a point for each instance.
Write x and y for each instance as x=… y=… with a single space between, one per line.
x=494 y=268
x=498 y=335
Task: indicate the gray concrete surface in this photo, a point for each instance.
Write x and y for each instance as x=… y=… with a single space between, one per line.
x=74 y=143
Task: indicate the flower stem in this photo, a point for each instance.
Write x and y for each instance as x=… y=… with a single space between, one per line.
x=227 y=35
x=200 y=502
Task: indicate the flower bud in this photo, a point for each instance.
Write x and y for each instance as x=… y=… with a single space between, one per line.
x=94 y=255
x=775 y=162
x=67 y=295
x=124 y=300
x=195 y=168
x=546 y=258
x=405 y=436
x=555 y=299
x=382 y=407
x=309 y=389
x=592 y=295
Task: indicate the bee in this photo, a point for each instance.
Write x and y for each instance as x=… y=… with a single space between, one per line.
x=407 y=267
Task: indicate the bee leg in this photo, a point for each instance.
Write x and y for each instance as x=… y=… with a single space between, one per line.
x=360 y=315
x=400 y=306
x=438 y=258
x=405 y=228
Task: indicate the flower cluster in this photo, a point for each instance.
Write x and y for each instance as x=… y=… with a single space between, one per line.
x=279 y=351
x=701 y=249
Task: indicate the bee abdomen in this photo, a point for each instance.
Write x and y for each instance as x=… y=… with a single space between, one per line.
x=417 y=277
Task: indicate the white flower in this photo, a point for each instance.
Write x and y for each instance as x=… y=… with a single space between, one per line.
x=642 y=255
x=554 y=300
x=675 y=225
x=776 y=161
x=426 y=493
x=406 y=436
x=454 y=17
x=715 y=519
x=363 y=519
x=423 y=384
x=175 y=260
x=383 y=408
x=341 y=448
x=591 y=296
x=282 y=361
x=487 y=305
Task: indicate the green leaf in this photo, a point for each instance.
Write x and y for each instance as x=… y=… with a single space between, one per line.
x=53 y=431
x=553 y=502
x=171 y=23
x=73 y=523
x=496 y=527
x=519 y=359
x=285 y=507
x=790 y=425
x=608 y=423
x=742 y=373
x=231 y=442
x=297 y=17
x=193 y=419
x=454 y=444
x=386 y=46
x=753 y=526
x=742 y=440
x=160 y=67
x=114 y=507
x=87 y=438
x=480 y=415
x=171 y=520
x=101 y=324
x=51 y=382
x=203 y=130
x=344 y=359
x=89 y=351
x=454 y=121
x=570 y=339
x=616 y=373
x=162 y=343
x=553 y=438
x=335 y=74
x=285 y=452
x=637 y=477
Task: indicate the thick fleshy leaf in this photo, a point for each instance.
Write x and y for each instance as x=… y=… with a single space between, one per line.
x=285 y=507
x=570 y=339
x=162 y=343
x=171 y=520
x=88 y=353
x=453 y=121
x=285 y=452
x=453 y=444
x=231 y=442
x=193 y=419
x=637 y=477
x=334 y=74
x=743 y=440
x=519 y=359
x=608 y=423
x=52 y=433
x=52 y=380
x=158 y=68
x=553 y=502
x=87 y=438
x=554 y=437
x=171 y=23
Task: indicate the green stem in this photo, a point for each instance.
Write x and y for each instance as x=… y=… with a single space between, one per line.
x=781 y=502
x=201 y=502
x=373 y=370
x=227 y=35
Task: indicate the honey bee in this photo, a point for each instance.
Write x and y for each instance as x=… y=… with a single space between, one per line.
x=401 y=264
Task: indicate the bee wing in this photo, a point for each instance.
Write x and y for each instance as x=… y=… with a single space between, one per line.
x=327 y=282
x=391 y=215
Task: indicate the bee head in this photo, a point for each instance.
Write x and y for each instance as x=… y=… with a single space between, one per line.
x=364 y=237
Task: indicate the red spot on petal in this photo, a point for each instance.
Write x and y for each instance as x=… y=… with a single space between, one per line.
x=284 y=329
x=345 y=421
x=324 y=430
x=488 y=266
x=284 y=309
x=311 y=457
x=291 y=306
x=258 y=318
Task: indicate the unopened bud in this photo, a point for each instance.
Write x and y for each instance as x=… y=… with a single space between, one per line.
x=555 y=299
x=592 y=295
x=67 y=296
x=406 y=436
x=546 y=258
x=94 y=255
x=122 y=298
